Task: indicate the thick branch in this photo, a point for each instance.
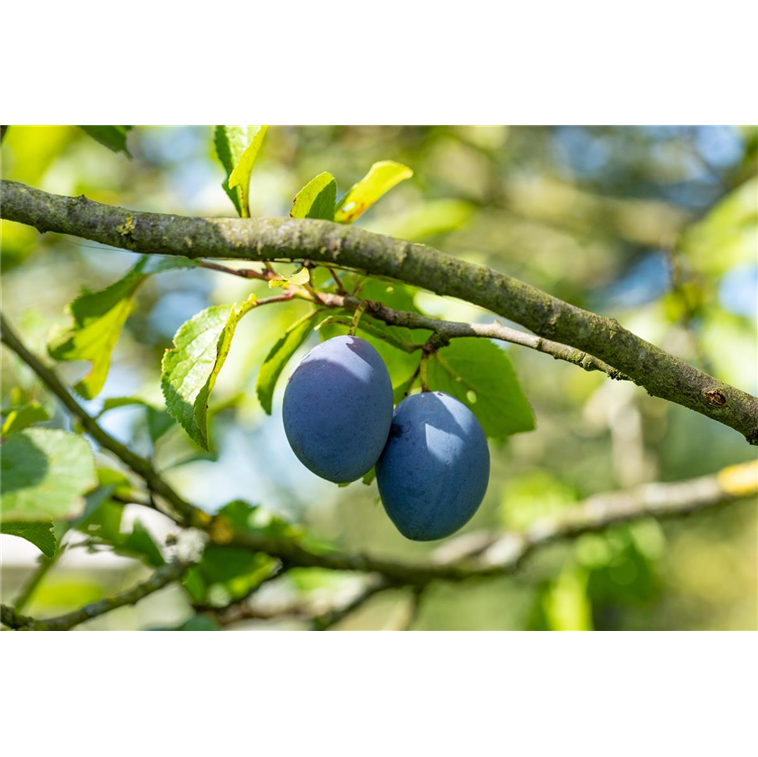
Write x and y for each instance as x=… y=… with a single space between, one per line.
x=661 y=374
x=158 y=580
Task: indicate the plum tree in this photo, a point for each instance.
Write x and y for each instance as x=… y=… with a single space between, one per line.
x=338 y=409
x=433 y=473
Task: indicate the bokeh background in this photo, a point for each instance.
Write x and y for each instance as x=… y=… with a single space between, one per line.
x=655 y=226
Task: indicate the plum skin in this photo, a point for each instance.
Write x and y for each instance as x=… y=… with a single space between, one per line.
x=338 y=409
x=434 y=471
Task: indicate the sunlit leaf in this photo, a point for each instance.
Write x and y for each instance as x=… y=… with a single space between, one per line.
x=45 y=474
x=39 y=534
x=382 y=177
x=479 y=374
x=298 y=278
x=230 y=143
x=190 y=369
x=240 y=176
x=278 y=356
x=98 y=319
x=20 y=418
x=316 y=199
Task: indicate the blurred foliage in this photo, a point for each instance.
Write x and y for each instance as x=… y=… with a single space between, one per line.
x=656 y=226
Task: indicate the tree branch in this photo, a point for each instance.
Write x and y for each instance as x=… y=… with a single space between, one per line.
x=142 y=467
x=661 y=374
x=158 y=580
x=501 y=555
x=454 y=330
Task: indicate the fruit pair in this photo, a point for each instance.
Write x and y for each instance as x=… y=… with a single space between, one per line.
x=431 y=455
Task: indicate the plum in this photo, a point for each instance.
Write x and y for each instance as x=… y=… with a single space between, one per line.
x=338 y=409
x=433 y=473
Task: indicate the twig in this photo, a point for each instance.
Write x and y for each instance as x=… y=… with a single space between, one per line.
x=139 y=465
x=245 y=273
x=158 y=580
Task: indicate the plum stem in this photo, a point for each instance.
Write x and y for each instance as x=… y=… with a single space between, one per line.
x=357 y=317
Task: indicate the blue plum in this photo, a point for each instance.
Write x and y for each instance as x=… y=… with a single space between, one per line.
x=433 y=473
x=338 y=409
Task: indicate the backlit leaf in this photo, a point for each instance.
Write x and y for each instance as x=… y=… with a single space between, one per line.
x=112 y=137
x=240 y=176
x=316 y=199
x=382 y=177
x=19 y=418
x=39 y=534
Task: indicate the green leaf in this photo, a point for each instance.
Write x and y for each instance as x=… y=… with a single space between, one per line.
x=298 y=278
x=45 y=474
x=190 y=369
x=139 y=543
x=158 y=420
x=279 y=355
x=382 y=177
x=98 y=318
x=102 y=521
x=240 y=176
x=400 y=392
x=253 y=519
x=112 y=137
x=479 y=374
x=19 y=418
x=225 y=574
x=39 y=534
x=230 y=142
x=316 y=199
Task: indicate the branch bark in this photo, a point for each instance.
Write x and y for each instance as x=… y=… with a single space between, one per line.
x=661 y=374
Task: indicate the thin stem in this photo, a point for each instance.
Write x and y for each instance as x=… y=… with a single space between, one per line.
x=423 y=371
x=158 y=580
x=245 y=273
x=337 y=280
x=356 y=318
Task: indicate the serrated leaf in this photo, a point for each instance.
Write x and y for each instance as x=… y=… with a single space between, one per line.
x=39 y=534
x=382 y=177
x=45 y=474
x=112 y=137
x=479 y=374
x=317 y=199
x=278 y=356
x=240 y=176
x=190 y=369
x=20 y=418
x=298 y=278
